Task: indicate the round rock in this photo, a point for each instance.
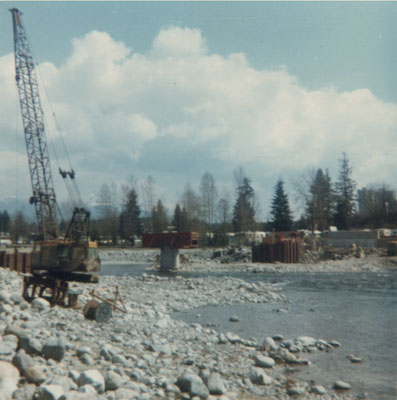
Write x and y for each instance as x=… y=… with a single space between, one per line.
x=25 y=392
x=40 y=304
x=192 y=384
x=354 y=359
x=9 y=377
x=263 y=361
x=49 y=392
x=296 y=391
x=112 y=380
x=341 y=385
x=318 y=389
x=55 y=349
x=92 y=377
x=7 y=348
x=22 y=361
x=306 y=340
x=30 y=345
x=215 y=384
x=35 y=374
x=269 y=344
x=258 y=377
x=14 y=330
x=233 y=338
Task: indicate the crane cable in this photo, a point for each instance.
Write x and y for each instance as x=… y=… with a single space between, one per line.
x=71 y=185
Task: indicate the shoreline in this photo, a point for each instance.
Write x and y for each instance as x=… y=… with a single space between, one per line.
x=203 y=260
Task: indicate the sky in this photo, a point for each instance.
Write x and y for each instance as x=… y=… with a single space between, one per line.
x=175 y=89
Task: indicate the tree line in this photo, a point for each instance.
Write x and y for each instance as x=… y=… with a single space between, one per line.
x=209 y=210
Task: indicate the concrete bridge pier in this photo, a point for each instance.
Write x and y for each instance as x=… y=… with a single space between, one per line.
x=169 y=259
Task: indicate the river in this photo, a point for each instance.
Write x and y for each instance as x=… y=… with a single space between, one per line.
x=356 y=309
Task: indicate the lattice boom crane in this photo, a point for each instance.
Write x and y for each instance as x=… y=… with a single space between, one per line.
x=43 y=196
x=55 y=260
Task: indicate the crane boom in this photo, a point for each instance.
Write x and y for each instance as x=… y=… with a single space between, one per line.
x=43 y=196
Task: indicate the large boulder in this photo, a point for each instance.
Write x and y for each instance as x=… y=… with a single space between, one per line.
x=30 y=345
x=112 y=380
x=54 y=349
x=22 y=361
x=75 y=395
x=215 y=384
x=7 y=348
x=9 y=377
x=25 y=392
x=258 y=377
x=94 y=378
x=192 y=384
x=49 y=392
x=269 y=344
x=40 y=304
x=14 y=330
x=264 y=361
x=35 y=374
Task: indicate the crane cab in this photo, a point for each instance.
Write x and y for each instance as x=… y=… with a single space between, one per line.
x=63 y=256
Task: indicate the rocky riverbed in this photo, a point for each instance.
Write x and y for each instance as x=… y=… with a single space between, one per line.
x=233 y=259
x=55 y=353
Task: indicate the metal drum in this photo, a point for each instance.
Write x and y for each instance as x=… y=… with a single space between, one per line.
x=99 y=312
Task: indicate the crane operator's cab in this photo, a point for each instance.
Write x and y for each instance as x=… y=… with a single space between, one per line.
x=60 y=256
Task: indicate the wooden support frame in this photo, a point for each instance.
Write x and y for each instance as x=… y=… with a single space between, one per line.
x=112 y=303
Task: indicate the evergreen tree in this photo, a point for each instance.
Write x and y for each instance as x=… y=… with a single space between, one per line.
x=243 y=211
x=280 y=211
x=108 y=213
x=344 y=192
x=320 y=203
x=159 y=217
x=4 y=222
x=130 y=217
x=180 y=219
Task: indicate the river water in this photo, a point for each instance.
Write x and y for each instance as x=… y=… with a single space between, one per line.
x=356 y=309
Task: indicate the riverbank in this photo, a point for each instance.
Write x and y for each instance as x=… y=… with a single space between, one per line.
x=146 y=354
x=207 y=260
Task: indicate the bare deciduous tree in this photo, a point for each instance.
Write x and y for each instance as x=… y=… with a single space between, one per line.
x=377 y=205
x=191 y=205
x=19 y=227
x=108 y=213
x=147 y=189
x=209 y=195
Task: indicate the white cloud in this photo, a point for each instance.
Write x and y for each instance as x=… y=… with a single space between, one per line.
x=179 y=42
x=111 y=103
x=98 y=50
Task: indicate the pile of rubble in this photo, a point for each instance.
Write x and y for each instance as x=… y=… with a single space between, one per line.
x=325 y=253
x=233 y=254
